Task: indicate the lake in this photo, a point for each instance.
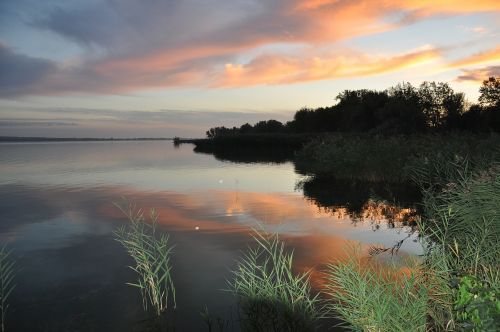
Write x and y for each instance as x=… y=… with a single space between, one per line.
x=57 y=216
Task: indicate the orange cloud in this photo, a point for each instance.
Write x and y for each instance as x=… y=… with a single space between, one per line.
x=429 y=6
x=166 y=59
x=282 y=69
x=344 y=19
x=305 y=22
x=478 y=59
x=179 y=54
x=450 y=6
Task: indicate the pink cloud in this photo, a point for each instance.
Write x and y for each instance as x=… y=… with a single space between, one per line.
x=283 y=70
x=191 y=44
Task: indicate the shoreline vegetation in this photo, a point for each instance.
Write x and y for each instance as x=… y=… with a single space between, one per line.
x=427 y=137
x=399 y=111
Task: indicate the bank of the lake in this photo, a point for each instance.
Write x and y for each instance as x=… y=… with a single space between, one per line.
x=456 y=180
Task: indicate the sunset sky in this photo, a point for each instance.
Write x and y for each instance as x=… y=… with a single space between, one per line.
x=151 y=68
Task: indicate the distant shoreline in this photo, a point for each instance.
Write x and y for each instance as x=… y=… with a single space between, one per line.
x=14 y=139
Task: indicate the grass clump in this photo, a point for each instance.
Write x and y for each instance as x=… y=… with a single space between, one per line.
x=7 y=275
x=377 y=300
x=151 y=253
x=273 y=297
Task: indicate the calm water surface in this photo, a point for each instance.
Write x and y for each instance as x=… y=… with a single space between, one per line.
x=57 y=216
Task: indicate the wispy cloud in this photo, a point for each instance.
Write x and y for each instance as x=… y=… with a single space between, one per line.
x=481 y=58
x=479 y=75
x=134 y=46
x=282 y=70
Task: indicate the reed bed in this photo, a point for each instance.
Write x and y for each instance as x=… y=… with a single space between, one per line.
x=390 y=159
x=456 y=286
x=463 y=227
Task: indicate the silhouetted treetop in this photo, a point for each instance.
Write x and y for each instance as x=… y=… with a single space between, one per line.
x=400 y=110
x=490 y=92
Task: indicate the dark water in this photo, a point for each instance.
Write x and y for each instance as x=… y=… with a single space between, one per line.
x=57 y=216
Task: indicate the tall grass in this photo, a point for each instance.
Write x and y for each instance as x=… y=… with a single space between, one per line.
x=7 y=275
x=273 y=297
x=456 y=286
x=151 y=253
x=463 y=223
x=388 y=159
x=377 y=300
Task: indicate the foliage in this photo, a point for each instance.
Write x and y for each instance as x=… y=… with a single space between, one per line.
x=7 y=275
x=261 y=127
x=391 y=159
x=462 y=214
x=273 y=297
x=476 y=304
x=382 y=299
x=456 y=285
x=152 y=256
x=463 y=226
x=355 y=157
x=490 y=92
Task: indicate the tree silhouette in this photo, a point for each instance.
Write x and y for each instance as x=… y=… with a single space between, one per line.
x=399 y=110
x=490 y=92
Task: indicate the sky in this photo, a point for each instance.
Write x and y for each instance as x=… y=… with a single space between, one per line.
x=151 y=68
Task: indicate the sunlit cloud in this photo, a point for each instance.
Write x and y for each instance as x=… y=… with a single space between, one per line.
x=153 y=45
x=479 y=75
x=282 y=70
x=481 y=58
x=429 y=6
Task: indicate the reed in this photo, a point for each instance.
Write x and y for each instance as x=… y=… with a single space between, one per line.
x=151 y=253
x=273 y=297
x=463 y=227
x=456 y=285
x=390 y=159
x=7 y=275
x=376 y=299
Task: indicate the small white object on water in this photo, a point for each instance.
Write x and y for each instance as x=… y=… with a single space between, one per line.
x=221 y=181
x=197 y=228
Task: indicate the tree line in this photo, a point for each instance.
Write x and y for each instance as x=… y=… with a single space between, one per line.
x=400 y=110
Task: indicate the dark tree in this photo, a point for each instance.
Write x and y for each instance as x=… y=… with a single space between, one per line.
x=269 y=126
x=402 y=114
x=400 y=110
x=454 y=106
x=490 y=92
x=433 y=97
x=246 y=128
x=303 y=120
